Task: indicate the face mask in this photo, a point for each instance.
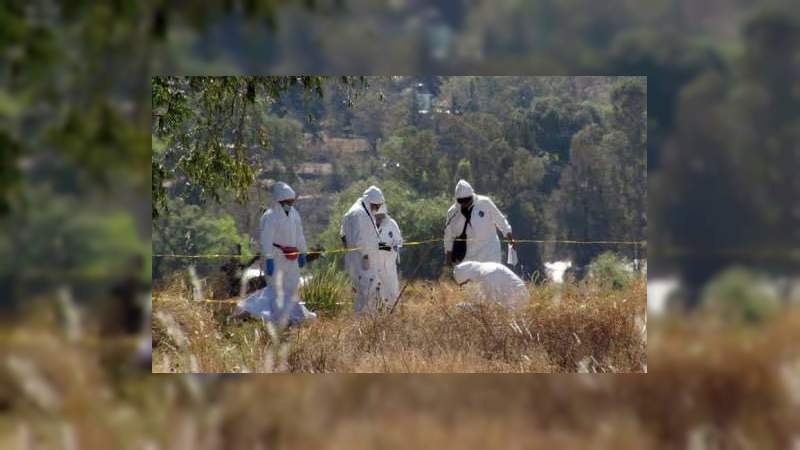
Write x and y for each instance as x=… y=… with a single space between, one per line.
x=464 y=202
x=286 y=208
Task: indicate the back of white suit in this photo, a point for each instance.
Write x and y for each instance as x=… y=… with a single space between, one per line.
x=388 y=260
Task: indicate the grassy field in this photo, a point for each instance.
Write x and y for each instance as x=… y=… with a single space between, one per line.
x=711 y=383
x=566 y=328
x=708 y=387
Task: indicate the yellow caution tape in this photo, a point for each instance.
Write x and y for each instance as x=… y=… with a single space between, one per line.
x=416 y=243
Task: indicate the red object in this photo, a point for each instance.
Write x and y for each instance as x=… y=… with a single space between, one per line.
x=291 y=253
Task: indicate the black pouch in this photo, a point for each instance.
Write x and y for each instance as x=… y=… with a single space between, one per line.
x=460 y=243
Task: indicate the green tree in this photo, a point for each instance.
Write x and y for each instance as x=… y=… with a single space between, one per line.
x=670 y=62
x=579 y=206
x=412 y=158
x=464 y=170
x=187 y=230
x=602 y=192
x=63 y=241
x=731 y=161
x=381 y=111
x=286 y=144
x=553 y=121
x=207 y=123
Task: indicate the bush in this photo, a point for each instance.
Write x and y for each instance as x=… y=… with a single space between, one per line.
x=740 y=295
x=186 y=229
x=327 y=291
x=610 y=270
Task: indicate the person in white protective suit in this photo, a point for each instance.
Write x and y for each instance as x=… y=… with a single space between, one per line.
x=284 y=250
x=388 y=256
x=495 y=282
x=474 y=218
x=360 y=235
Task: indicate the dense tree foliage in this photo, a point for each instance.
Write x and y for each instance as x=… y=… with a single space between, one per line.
x=562 y=162
x=208 y=123
x=75 y=111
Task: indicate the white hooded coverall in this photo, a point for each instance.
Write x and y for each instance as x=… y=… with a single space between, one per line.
x=483 y=245
x=495 y=281
x=280 y=300
x=361 y=234
x=389 y=259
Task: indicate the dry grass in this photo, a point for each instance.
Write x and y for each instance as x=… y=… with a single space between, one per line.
x=725 y=387
x=564 y=329
x=709 y=386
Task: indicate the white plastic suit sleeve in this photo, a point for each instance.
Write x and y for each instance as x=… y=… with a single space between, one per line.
x=500 y=220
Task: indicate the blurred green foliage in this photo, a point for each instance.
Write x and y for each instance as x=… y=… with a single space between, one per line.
x=52 y=245
x=740 y=295
x=722 y=101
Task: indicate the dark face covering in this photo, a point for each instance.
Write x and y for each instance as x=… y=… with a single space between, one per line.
x=287 y=206
x=466 y=205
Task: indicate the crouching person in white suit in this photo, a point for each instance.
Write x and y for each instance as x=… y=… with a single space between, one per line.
x=495 y=282
x=471 y=228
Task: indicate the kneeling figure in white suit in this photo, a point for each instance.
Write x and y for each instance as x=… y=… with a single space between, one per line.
x=496 y=282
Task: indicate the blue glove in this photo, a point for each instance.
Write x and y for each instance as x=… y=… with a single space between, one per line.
x=270 y=267
x=301 y=261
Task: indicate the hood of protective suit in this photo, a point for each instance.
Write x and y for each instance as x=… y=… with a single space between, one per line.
x=282 y=191
x=465 y=271
x=373 y=195
x=463 y=189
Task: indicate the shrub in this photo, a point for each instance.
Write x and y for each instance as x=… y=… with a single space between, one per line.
x=740 y=295
x=609 y=270
x=327 y=290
